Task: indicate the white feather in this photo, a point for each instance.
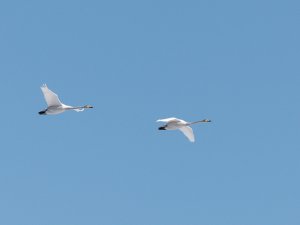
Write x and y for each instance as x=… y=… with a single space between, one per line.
x=188 y=132
x=50 y=97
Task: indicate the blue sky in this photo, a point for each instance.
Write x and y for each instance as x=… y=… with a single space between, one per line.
x=234 y=62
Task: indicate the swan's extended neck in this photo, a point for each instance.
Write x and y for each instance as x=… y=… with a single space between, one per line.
x=200 y=121
x=81 y=107
x=77 y=107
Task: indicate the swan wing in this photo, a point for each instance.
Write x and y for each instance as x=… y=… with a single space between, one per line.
x=50 y=97
x=167 y=120
x=188 y=132
x=79 y=110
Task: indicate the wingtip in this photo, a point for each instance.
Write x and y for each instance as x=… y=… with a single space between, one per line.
x=192 y=139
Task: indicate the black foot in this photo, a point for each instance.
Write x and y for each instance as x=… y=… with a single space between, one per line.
x=42 y=112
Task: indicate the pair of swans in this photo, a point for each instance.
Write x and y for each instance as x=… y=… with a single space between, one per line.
x=55 y=106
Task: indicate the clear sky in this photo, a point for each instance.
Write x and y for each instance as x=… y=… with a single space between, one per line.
x=234 y=62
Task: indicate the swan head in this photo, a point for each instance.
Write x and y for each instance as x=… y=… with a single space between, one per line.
x=88 y=107
x=206 y=121
x=162 y=128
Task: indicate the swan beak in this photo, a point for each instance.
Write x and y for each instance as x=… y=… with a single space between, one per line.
x=162 y=128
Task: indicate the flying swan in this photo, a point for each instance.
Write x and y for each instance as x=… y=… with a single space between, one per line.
x=174 y=124
x=55 y=106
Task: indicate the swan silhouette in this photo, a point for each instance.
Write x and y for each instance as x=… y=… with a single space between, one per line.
x=55 y=106
x=178 y=124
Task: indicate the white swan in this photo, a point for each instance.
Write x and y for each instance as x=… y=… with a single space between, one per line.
x=174 y=124
x=55 y=106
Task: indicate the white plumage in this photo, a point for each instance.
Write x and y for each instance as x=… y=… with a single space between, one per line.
x=174 y=124
x=55 y=106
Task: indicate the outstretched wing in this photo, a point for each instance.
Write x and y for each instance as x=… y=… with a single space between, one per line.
x=188 y=132
x=79 y=110
x=50 y=97
x=167 y=120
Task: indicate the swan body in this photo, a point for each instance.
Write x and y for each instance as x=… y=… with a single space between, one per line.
x=55 y=106
x=178 y=124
